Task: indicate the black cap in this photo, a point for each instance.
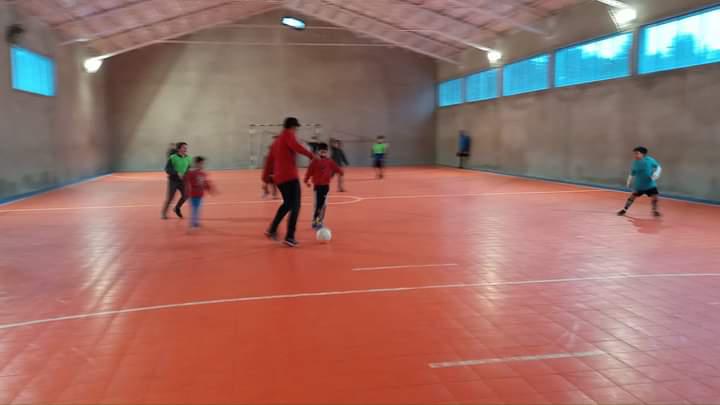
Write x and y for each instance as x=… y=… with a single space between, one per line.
x=291 y=122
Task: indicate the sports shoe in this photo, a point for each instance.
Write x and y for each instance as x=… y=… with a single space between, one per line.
x=291 y=242
x=622 y=213
x=271 y=235
x=657 y=214
x=178 y=212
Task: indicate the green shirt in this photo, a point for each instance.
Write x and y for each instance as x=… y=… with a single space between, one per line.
x=181 y=164
x=379 y=148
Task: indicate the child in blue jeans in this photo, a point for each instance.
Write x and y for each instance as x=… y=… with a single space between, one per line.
x=196 y=183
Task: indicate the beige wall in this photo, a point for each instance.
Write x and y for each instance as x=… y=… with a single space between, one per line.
x=49 y=141
x=585 y=133
x=208 y=95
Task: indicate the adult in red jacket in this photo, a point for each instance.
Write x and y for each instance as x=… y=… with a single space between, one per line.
x=281 y=164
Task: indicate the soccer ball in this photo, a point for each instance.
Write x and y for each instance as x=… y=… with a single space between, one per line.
x=323 y=235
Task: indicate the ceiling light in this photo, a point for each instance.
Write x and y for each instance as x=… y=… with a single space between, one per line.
x=92 y=65
x=293 y=22
x=624 y=16
x=494 y=56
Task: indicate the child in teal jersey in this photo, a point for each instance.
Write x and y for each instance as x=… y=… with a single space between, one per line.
x=643 y=178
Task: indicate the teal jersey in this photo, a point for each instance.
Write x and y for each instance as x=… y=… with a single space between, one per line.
x=642 y=171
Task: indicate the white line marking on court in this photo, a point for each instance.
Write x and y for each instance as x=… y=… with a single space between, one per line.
x=553 y=356
x=406 y=266
x=356 y=199
x=354 y=292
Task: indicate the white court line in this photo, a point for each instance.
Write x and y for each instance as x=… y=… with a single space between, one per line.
x=352 y=292
x=553 y=356
x=406 y=266
x=356 y=199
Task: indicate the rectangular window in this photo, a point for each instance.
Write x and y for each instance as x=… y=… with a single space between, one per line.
x=681 y=42
x=450 y=93
x=604 y=59
x=481 y=86
x=32 y=72
x=527 y=75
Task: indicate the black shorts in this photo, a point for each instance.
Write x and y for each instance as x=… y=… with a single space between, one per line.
x=379 y=161
x=649 y=192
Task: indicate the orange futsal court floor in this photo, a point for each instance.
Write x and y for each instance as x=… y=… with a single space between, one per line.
x=439 y=286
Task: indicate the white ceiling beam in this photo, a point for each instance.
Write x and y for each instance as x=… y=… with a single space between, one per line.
x=373 y=28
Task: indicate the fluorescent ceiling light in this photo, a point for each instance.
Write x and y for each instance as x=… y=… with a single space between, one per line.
x=494 y=56
x=293 y=22
x=623 y=16
x=92 y=65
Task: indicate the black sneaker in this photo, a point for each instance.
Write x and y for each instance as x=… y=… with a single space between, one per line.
x=622 y=213
x=291 y=242
x=271 y=235
x=657 y=214
x=178 y=212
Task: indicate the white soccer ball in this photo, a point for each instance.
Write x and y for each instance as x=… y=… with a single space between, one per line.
x=324 y=234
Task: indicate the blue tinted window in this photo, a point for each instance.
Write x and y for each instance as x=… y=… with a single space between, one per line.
x=526 y=76
x=681 y=42
x=482 y=86
x=450 y=93
x=603 y=59
x=32 y=72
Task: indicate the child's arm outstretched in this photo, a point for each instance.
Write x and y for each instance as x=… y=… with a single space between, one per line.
x=309 y=172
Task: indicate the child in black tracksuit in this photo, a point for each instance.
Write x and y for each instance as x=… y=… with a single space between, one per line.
x=338 y=156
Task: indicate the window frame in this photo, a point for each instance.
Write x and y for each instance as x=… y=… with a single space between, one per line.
x=631 y=58
x=12 y=69
x=550 y=84
x=498 y=84
x=642 y=30
x=460 y=79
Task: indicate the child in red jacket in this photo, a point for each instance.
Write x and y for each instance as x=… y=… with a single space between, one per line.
x=196 y=183
x=267 y=181
x=321 y=171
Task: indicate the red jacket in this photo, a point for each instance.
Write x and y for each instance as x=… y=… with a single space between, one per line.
x=322 y=170
x=196 y=182
x=280 y=162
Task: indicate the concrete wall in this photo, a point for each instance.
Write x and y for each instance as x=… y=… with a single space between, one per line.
x=209 y=94
x=586 y=133
x=49 y=141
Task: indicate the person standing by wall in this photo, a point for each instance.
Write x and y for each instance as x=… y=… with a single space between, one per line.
x=463 y=149
x=281 y=162
x=379 y=150
x=338 y=156
x=176 y=167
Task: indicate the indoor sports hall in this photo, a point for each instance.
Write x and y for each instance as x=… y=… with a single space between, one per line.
x=359 y=202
